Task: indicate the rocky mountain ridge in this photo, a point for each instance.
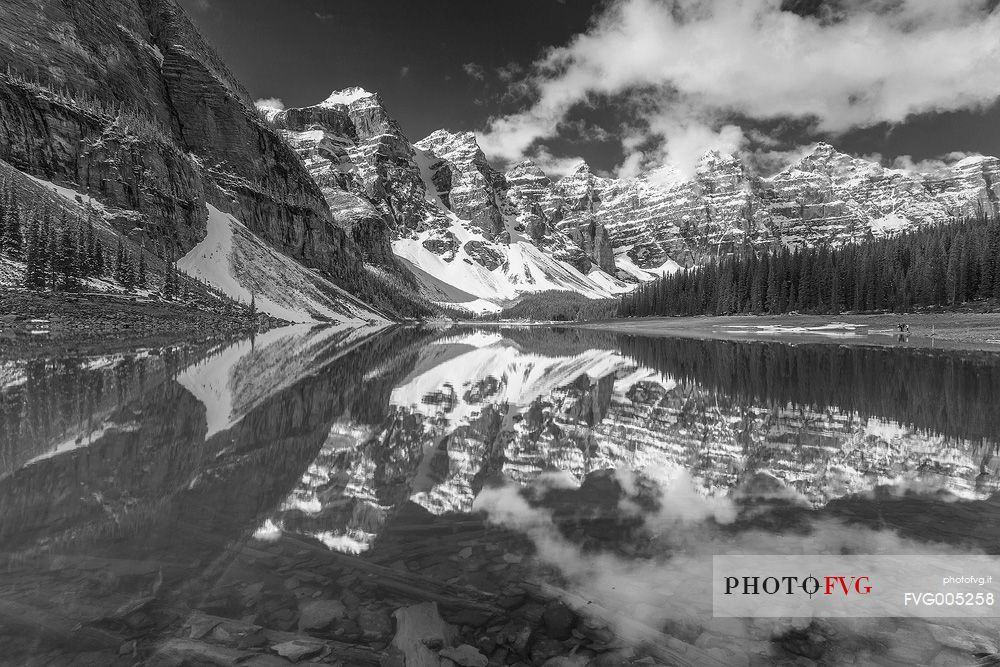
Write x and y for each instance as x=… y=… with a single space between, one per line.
x=124 y=101
x=478 y=237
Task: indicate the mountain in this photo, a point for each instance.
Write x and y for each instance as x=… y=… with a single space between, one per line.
x=141 y=113
x=477 y=237
x=656 y=224
x=439 y=207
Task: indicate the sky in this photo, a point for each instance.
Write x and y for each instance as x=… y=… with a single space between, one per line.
x=640 y=86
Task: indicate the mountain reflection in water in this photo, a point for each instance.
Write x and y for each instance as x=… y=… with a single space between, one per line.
x=551 y=492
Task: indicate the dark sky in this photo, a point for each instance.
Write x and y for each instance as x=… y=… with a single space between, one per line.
x=301 y=50
x=414 y=53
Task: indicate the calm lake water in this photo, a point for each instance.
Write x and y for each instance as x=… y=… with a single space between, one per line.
x=545 y=497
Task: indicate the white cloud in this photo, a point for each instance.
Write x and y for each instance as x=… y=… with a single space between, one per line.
x=509 y=72
x=270 y=104
x=474 y=71
x=555 y=167
x=683 y=68
x=767 y=162
x=929 y=165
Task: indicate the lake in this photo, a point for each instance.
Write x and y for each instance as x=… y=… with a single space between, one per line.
x=427 y=496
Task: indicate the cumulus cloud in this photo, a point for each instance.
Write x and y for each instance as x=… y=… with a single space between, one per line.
x=767 y=162
x=683 y=69
x=509 y=72
x=270 y=104
x=554 y=166
x=930 y=165
x=474 y=71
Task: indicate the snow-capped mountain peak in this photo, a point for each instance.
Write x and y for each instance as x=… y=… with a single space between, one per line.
x=346 y=96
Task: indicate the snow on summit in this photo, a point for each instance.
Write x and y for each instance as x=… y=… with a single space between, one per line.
x=345 y=96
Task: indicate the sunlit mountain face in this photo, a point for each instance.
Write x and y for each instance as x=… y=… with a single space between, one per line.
x=539 y=493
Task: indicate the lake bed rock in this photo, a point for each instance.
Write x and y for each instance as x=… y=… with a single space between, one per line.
x=320 y=614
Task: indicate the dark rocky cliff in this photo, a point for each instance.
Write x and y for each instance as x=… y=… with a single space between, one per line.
x=125 y=99
x=364 y=165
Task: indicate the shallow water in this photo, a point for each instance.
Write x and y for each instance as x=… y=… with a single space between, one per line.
x=544 y=496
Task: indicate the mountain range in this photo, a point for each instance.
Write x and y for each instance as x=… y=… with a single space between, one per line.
x=330 y=212
x=479 y=237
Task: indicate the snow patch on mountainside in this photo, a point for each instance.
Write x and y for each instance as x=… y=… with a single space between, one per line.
x=12 y=374
x=891 y=223
x=423 y=161
x=624 y=263
x=441 y=292
x=11 y=272
x=239 y=264
x=70 y=195
x=525 y=269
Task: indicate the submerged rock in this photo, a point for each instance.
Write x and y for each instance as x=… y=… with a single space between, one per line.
x=320 y=614
x=297 y=649
x=465 y=655
x=419 y=627
x=559 y=621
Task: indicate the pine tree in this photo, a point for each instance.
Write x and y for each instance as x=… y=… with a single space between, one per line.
x=127 y=278
x=91 y=268
x=67 y=260
x=31 y=257
x=170 y=279
x=13 y=242
x=141 y=275
x=952 y=275
x=4 y=214
x=119 y=265
x=99 y=266
x=47 y=248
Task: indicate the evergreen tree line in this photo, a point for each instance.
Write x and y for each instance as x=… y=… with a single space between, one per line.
x=941 y=265
x=60 y=251
x=129 y=119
